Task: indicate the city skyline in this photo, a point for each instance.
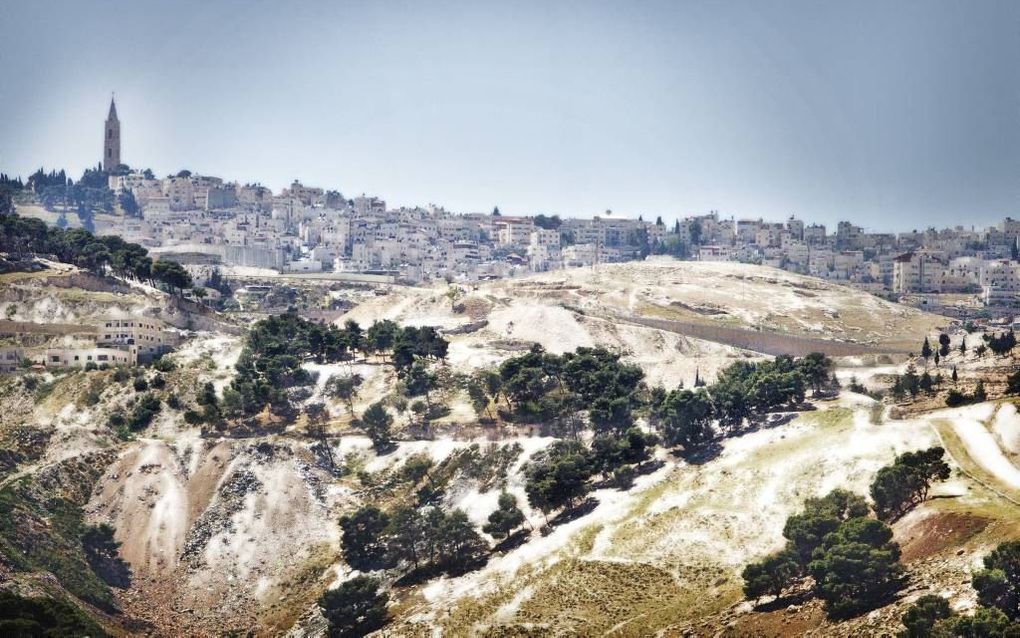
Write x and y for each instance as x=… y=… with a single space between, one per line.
x=950 y=95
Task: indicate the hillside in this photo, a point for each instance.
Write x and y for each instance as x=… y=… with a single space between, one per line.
x=235 y=530
x=603 y=306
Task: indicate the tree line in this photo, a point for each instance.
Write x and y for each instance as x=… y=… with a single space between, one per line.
x=742 y=391
x=539 y=387
x=22 y=237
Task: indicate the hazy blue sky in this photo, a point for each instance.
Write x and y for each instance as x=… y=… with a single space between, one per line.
x=897 y=114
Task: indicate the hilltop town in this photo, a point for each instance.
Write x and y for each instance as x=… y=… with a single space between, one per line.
x=204 y=220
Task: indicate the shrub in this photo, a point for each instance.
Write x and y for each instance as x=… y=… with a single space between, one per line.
x=143 y=413
x=163 y=364
x=922 y=616
x=955 y=398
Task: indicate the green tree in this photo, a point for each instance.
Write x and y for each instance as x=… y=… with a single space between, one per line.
x=344 y=388
x=356 y=608
x=898 y=487
x=857 y=567
x=817 y=369
x=911 y=382
x=376 y=422
x=926 y=351
x=459 y=546
x=926 y=383
x=480 y=399
x=685 y=417
x=558 y=476
x=771 y=575
x=172 y=274
x=507 y=517
x=998 y=584
x=979 y=392
x=362 y=540
x=128 y=204
x=420 y=382
x=897 y=391
x=944 y=344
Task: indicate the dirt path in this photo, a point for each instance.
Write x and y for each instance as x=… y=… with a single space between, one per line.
x=772 y=343
x=978 y=456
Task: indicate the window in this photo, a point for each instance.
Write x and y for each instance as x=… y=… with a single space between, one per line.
x=103 y=357
x=54 y=358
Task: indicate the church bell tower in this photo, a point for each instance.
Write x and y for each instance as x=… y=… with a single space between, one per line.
x=111 y=139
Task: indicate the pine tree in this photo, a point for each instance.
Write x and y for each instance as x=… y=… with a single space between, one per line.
x=926 y=351
x=897 y=388
x=955 y=376
x=506 y=518
x=979 y=392
x=926 y=382
x=376 y=422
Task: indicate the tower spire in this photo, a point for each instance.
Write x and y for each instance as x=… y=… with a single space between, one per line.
x=111 y=139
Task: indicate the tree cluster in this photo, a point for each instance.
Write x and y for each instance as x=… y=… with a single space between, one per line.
x=43 y=616
x=420 y=538
x=851 y=558
x=741 y=391
x=356 y=608
x=271 y=362
x=540 y=387
x=1000 y=344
